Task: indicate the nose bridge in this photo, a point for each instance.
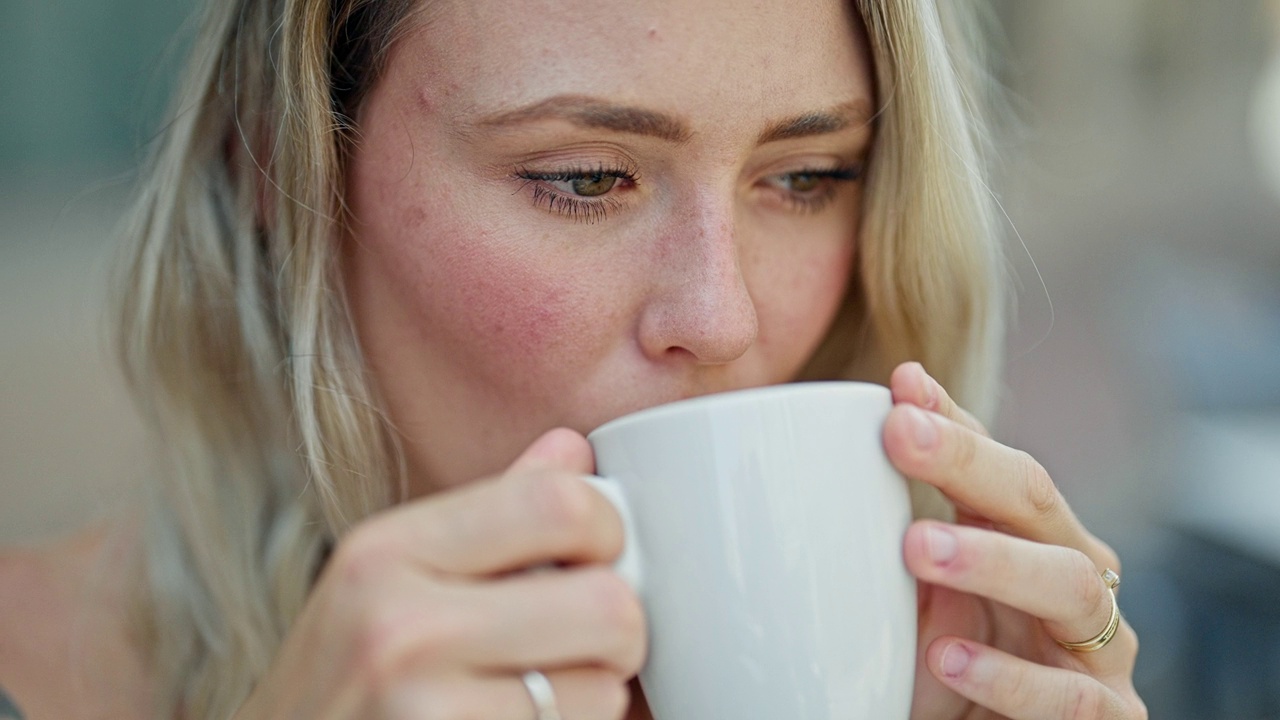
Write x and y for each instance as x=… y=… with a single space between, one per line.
x=703 y=305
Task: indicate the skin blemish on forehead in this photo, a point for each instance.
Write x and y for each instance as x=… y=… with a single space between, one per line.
x=653 y=33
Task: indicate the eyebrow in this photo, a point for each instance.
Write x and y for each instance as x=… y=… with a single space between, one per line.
x=855 y=113
x=596 y=113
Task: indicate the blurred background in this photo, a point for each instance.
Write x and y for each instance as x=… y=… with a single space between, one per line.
x=1142 y=183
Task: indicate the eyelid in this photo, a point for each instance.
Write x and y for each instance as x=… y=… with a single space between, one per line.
x=814 y=201
x=844 y=173
x=829 y=177
x=810 y=158
x=577 y=208
x=577 y=172
x=596 y=209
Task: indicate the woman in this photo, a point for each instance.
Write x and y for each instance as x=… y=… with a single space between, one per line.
x=407 y=252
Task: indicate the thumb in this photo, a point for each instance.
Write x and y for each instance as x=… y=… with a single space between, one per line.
x=558 y=449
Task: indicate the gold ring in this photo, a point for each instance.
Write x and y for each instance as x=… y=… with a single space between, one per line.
x=1112 y=579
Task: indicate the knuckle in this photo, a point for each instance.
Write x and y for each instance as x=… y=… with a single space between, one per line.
x=1137 y=708
x=1081 y=702
x=437 y=702
x=362 y=554
x=1040 y=494
x=1108 y=556
x=964 y=448
x=619 y=610
x=1088 y=584
x=561 y=504
x=620 y=702
x=973 y=422
x=617 y=603
x=373 y=652
x=601 y=693
x=616 y=699
x=1018 y=686
x=387 y=636
x=1129 y=640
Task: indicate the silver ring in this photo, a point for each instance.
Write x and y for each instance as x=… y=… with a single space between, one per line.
x=544 y=698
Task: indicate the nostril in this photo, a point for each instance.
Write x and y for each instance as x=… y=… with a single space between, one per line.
x=700 y=327
x=700 y=308
x=676 y=352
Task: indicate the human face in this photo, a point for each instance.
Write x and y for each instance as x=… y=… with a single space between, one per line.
x=567 y=212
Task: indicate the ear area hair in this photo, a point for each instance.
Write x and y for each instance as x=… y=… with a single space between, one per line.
x=248 y=155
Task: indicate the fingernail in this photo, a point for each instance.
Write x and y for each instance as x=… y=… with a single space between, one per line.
x=955 y=659
x=924 y=430
x=941 y=545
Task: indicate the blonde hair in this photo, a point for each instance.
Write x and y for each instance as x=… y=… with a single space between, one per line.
x=238 y=343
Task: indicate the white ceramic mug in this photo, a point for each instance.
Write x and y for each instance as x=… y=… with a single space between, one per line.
x=764 y=537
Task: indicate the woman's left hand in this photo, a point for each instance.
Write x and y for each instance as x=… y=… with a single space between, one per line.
x=1017 y=573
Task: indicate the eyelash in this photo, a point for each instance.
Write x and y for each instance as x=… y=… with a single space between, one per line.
x=577 y=209
x=831 y=177
x=596 y=210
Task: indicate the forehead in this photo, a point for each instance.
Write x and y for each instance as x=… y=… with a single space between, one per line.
x=719 y=63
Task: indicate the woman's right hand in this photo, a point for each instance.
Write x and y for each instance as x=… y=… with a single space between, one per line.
x=423 y=612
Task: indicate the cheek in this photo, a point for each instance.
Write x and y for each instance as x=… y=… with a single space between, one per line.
x=470 y=297
x=492 y=301
x=800 y=296
x=507 y=313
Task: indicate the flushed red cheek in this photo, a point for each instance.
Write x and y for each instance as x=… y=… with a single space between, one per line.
x=514 y=313
x=464 y=281
x=504 y=317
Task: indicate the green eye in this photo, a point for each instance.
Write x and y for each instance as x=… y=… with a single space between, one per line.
x=804 y=182
x=811 y=189
x=583 y=194
x=593 y=185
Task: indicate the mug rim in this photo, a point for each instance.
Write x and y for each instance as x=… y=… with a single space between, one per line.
x=730 y=398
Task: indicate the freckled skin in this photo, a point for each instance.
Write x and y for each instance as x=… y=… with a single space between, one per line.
x=488 y=319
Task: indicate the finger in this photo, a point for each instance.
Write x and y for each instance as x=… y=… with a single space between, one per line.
x=1058 y=585
x=409 y=624
x=1022 y=690
x=489 y=527
x=1003 y=485
x=565 y=618
x=910 y=383
x=559 y=449
x=580 y=694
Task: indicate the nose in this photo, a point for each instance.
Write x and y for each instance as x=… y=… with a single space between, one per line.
x=700 y=306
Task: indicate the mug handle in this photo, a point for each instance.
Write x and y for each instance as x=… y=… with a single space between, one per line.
x=628 y=563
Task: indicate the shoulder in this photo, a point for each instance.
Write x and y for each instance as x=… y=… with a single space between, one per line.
x=65 y=649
